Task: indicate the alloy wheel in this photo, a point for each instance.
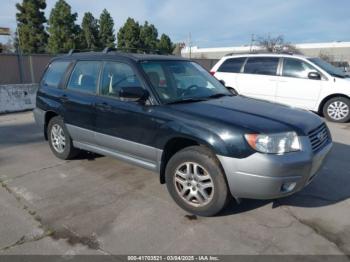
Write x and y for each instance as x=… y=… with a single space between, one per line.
x=194 y=184
x=338 y=110
x=58 y=138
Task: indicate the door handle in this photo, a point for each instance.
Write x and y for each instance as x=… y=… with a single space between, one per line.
x=104 y=106
x=64 y=98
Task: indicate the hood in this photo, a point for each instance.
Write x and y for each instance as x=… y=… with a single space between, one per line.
x=251 y=114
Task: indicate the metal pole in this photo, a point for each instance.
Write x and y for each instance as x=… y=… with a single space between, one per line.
x=31 y=69
x=190 y=44
x=19 y=56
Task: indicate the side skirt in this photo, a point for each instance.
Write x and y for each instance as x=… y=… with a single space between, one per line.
x=127 y=158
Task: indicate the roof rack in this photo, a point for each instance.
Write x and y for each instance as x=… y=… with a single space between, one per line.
x=264 y=52
x=71 y=51
x=132 y=50
x=106 y=50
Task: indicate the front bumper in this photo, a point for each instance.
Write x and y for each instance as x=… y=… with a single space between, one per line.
x=263 y=176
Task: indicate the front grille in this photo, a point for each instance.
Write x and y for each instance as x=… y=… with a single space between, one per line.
x=319 y=137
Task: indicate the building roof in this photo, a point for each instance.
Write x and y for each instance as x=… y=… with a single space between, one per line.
x=247 y=48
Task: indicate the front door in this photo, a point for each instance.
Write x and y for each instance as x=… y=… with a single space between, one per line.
x=126 y=128
x=294 y=86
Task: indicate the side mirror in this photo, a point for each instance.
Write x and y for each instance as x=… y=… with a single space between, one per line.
x=314 y=76
x=134 y=93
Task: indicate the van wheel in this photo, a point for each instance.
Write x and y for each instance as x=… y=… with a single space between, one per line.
x=337 y=109
x=59 y=140
x=196 y=182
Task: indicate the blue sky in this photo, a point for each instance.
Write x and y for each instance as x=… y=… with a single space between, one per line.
x=221 y=22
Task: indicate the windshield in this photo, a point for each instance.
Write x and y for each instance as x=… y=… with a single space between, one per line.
x=180 y=81
x=330 y=69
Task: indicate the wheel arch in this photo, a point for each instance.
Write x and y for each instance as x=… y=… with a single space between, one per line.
x=48 y=116
x=327 y=98
x=174 y=145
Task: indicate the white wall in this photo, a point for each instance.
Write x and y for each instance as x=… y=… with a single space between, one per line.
x=15 y=98
x=338 y=51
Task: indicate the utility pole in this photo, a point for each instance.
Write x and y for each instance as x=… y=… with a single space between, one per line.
x=251 y=43
x=19 y=55
x=190 y=44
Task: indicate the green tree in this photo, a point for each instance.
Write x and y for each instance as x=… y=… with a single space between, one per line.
x=165 y=45
x=80 y=39
x=30 y=26
x=90 y=31
x=63 y=32
x=149 y=36
x=106 y=34
x=129 y=35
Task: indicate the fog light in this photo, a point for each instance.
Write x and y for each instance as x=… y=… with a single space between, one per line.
x=288 y=187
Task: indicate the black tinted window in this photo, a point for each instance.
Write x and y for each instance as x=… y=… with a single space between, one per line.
x=232 y=65
x=84 y=76
x=296 y=68
x=116 y=76
x=261 y=65
x=54 y=73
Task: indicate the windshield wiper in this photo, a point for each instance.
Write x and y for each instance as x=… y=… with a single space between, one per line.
x=338 y=75
x=187 y=100
x=218 y=95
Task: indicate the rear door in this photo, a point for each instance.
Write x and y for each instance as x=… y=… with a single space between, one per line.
x=294 y=86
x=259 y=78
x=79 y=99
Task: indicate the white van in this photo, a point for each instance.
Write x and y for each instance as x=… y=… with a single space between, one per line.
x=295 y=80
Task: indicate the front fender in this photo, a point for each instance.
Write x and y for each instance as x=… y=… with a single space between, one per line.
x=222 y=141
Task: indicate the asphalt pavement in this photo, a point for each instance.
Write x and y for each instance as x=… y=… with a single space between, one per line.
x=99 y=205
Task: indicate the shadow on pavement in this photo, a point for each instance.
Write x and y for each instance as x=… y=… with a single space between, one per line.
x=329 y=187
x=19 y=134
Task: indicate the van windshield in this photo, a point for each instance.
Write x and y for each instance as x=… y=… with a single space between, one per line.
x=182 y=81
x=329 y=68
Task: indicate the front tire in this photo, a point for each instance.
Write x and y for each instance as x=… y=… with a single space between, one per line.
x=337 y=109
x=59 y=140
x=196 y=182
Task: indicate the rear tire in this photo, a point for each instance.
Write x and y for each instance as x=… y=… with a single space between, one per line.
x=337 y=109
x=196 y=182
x=59 y=140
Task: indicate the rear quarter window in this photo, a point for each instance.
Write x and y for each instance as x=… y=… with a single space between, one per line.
x=54 y=73
x=232 y=65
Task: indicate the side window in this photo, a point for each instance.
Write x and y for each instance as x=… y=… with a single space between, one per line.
x=261 y=65
x=296 y=68
x=232 y=65
x=116 y=76
x=84 y=76
x=54 y=73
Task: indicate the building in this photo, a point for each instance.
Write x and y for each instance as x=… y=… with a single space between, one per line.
x=338 y=52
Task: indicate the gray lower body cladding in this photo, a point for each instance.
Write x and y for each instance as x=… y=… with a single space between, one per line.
x=129 y=151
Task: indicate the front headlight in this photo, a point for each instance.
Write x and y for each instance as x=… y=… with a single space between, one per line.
x=274 y=143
